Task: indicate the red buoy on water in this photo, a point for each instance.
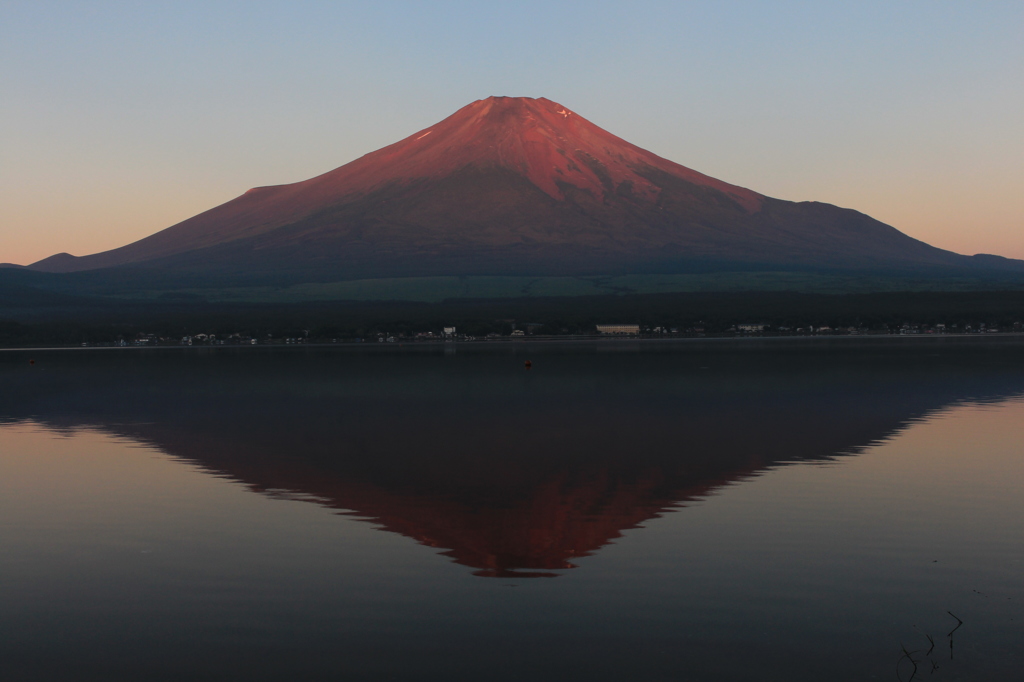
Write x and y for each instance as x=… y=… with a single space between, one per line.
x=529 y=364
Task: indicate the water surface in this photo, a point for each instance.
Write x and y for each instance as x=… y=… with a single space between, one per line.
x=618 y=511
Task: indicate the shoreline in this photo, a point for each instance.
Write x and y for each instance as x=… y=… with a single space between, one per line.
x=596 y=341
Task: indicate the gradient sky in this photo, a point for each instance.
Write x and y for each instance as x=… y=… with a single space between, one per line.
x=119 y=119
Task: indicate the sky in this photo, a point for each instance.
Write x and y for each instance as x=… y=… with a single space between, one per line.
x=119 y=119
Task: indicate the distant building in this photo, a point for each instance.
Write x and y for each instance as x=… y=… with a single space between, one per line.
x=619 y=329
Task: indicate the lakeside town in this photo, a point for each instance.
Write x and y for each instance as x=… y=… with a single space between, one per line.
x=537 y=331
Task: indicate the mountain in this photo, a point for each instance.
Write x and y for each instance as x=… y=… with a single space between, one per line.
x=515 y=186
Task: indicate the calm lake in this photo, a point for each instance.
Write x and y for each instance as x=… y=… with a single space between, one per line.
x=620 y=511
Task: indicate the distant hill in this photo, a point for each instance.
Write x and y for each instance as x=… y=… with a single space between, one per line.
x=514 y=186
x=21 y=289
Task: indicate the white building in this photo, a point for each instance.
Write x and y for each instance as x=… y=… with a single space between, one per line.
x=619 y=329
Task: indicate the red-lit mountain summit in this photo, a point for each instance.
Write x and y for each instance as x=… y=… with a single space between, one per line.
x=514 y=186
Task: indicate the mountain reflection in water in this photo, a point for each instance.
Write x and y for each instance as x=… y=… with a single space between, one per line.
x=511 y=473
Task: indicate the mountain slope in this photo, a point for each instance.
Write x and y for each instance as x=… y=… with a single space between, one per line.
x=513 y=186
